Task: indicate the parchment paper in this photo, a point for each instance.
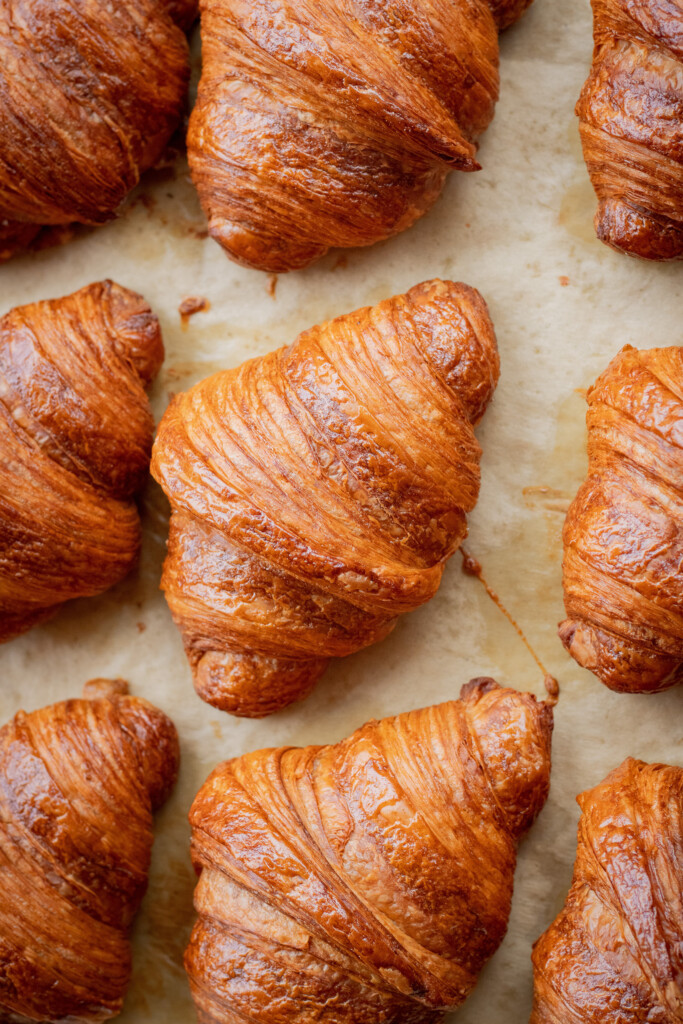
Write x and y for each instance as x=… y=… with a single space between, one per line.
x=563 y=304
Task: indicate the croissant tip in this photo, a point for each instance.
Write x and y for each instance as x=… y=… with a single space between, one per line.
x=566 y=631
x=253 y=686
x=638 y=233
x=477 y=687
x=98 y=688
x=618 y=662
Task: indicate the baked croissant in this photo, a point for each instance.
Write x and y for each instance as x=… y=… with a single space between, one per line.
x=75 y=441
x=623 y=536
x=78 y=784
x=368 y=881
x=614 y=955
x=631 y=124
x=90 y=93
x=318 y=491
x=320 y=123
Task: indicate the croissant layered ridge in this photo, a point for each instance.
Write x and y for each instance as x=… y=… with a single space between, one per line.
x=631 y=124
x=90 y=93
x=78 y=784
x=318 y=491
x=614 y=954
x=323 y=123
x=367 y=881
x=75 y=442
x=623 y=535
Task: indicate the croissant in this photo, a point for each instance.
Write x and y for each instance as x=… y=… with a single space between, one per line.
x=623 y=536
x=371 y=880
x=320 y=123
x=75 y=441
x=318 y=491
x=631 y=124
x=614 y=955
x=90 y=93
x=78 y=784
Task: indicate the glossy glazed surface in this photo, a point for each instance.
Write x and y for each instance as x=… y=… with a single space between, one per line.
x=75 y=441
x=79 y=781
x=323 y=123
x=623 y=536
x=90 y=92
x=631 y=122
x=614 y=955
x=317 y=492
x=369 y=881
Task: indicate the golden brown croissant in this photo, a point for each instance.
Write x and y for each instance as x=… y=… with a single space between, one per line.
x=631 y=124
x=623 y=536
x=75 y=440
x=371 y=880
x=325 y=123
x=318 y=491
x=78 y=784
x=614 y=955
x=90 y=93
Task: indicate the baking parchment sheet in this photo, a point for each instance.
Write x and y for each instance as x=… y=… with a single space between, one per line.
x=521 y=231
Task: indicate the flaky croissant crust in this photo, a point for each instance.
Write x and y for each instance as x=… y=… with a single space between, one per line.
x=623 y=536
x=90 y=93
x=369 y=881
x=320 y=123
x=614 y=955
x=79 y=781
x=75 y=441
x=631 y=124
x=318 y=491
